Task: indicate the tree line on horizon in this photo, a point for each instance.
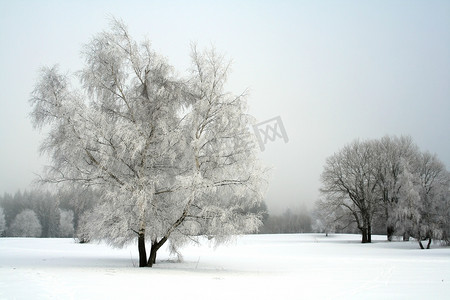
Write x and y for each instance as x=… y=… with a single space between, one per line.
x=38 y=213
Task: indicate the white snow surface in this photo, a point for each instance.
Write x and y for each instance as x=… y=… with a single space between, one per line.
x=294 y=266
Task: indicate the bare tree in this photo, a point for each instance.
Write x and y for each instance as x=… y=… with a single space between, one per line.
x=171 y=157
x=349 y=181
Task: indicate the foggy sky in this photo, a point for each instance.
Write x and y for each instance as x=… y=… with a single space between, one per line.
x=332 y=70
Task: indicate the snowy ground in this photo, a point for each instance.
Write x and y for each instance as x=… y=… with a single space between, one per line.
x=252 y=267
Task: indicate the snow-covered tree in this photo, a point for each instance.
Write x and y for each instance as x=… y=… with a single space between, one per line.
x=445 y=213
x=390 y=152
x=349 y=181
x=12 y=205
x=2 y=221
x=171 y=157
x=408 y=207
x=66 y=223
x=26 y=224
x=391 y=182
x=329 y=218
x=422 y=205
x=44 y=204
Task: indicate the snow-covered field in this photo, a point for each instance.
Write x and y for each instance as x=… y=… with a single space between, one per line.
x=251 y=267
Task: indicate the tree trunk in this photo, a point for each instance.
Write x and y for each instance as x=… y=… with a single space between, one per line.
x=154 y=249
x=152 y=257
x=420 y=244
x=406 y=236
x=364 y=235
x=142 y=251
x=390 y=232
x=429 y=243
x=367 y=229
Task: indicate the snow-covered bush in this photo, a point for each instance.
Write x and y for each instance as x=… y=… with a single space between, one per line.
x=84 y=231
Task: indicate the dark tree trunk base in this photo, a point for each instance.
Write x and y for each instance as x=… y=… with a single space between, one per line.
x=364 y=236
x=152 y=257
x=405 y=237
x=420 y=244
x=154 y=249
x=142 y=251
x=428 y=244
x=390 y=233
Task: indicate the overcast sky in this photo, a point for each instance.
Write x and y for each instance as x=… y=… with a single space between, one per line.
x=333 y=71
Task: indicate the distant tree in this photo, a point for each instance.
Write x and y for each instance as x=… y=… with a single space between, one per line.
x=44 y=204
x=407 y=210
x=445 y=213
x=2 y=222
x=290 y=221
x=422 y=208
x=391 y=153
x=77 y=199
x=349 y=181
x=66 y=228
x=328 y=218
x=171 y=157
x=324 y=218
x=26 y=224
x=388 y=181
x=304 y=220
x=12 y=206
x=46 y=207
